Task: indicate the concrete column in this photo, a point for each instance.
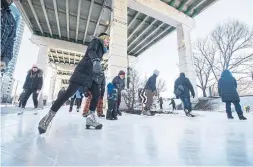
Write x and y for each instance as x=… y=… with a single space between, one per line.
x=42 y=63
x=185 y=56
x=118 y=33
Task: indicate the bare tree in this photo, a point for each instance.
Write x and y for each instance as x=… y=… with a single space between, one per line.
x=231 y=39
x=131 y=93
x=160 y=87
x=204 y=60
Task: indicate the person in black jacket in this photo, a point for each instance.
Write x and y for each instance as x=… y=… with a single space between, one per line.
x=83 y=75
x=182 y=89
x=227 y=86
x=150 y=90
x=119 y=83
x=172 y=102
x=61 y=92
x=101 y=82
x=33 y=84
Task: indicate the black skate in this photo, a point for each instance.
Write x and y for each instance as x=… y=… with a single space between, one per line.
x=241 y=117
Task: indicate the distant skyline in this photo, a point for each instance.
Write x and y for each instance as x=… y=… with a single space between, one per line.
x=163 y=55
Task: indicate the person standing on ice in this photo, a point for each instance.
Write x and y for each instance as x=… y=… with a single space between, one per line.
x=119 y=83
x=182 y=89
x=227 y=86
x=150 y=90
x=33 y=84
x=172 y=102
x=83 y=76
x=77 y=96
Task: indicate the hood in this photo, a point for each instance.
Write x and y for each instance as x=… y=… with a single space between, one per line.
x=226 y=74
x=39 y=72
x=101 y=41
x=156 y=73
x=182 y=75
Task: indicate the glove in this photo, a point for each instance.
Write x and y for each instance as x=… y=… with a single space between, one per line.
x=97 y=68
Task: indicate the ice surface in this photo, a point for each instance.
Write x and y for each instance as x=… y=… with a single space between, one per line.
x=209 y=139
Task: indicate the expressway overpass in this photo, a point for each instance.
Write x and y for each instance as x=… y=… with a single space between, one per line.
x=63 y=28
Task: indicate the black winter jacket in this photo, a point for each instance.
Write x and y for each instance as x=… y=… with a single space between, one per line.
x=34 y=81
x=185 y=82
x=227 y=86
x=151 y=83
x=119 y=83
x=83 y=73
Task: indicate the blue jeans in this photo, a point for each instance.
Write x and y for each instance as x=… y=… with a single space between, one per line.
x=187 y=103
x=238 y=108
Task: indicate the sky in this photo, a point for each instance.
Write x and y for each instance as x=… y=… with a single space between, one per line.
x=162 y=56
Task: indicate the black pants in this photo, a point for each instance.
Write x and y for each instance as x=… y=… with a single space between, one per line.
x=174 y=107
x=27 y=94
x=78 y=102
x=119 y=101
x=112 y=109
x=20 y=103
x=161 y=106
x=71 y=90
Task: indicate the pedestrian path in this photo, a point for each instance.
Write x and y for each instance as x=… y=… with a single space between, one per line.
x=209 y=139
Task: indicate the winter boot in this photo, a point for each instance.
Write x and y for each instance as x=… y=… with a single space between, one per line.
x=241 y=117
x=77 y=110
x=101 y=115
x=92 y=120
x=86 y=114
x=230 y=116
x=45 y=121
x=70 y=109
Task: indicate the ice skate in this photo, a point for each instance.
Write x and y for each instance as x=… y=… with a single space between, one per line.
x=35 y=111
x=92 y=120
x=149 y=113
x=77 y=110
x=21 y=112
x=230 y=116
x=45 y=121
x=144 y=113
x=241 y=117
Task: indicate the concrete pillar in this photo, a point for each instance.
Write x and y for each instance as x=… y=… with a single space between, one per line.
x=118 y=44
x=42 y=63
x=185 y=56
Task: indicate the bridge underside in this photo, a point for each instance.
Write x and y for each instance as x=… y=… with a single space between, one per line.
x=78 y=20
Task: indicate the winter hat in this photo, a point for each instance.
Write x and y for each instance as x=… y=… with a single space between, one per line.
x=182 y=74
x=34 y=66
x=121 y=72
x=103 y=34
x=156 y=72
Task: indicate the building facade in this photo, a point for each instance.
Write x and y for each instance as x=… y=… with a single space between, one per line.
x=8 y=80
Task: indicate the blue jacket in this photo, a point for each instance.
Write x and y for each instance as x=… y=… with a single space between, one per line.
x=78 y=94
x=185 y=82
x=112 y=92
x=151 y=83
x=227 y=86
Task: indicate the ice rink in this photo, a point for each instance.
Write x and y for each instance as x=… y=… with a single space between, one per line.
x=209 y=139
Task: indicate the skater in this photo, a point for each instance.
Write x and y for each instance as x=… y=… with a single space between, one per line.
x=77 y=96
x=172 y=102
x=227 y=86
x=83 y=76
x=247 y=109
x=182 y=89
x=112 y=99
x=8 y=34
x=161 y=103
x=150 y=90
x=119 y=82
x=61 y=92
x=101 y=82
x=32 y=85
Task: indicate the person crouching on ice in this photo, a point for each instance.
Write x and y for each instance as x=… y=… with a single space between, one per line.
x=112 y=99
x=101 y=82
x=83 y=75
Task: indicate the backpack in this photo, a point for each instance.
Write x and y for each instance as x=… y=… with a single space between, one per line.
x=179 y=91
